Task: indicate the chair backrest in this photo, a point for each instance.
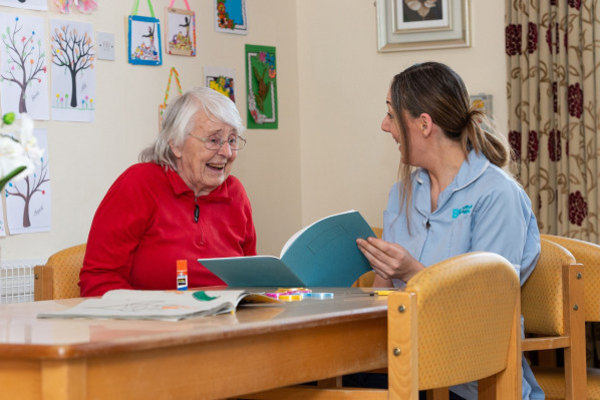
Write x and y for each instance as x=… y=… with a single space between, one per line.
x=59 y=277
x=464 y=313
x=543 y=295
x=588 y=254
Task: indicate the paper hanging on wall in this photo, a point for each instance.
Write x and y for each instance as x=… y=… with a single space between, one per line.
x=162 y=107
x=261 y=87
x=84 y=6
x=73 y=94
x=2 y=225
x=23 y=70
x=144 y=38
x=230 y=16
x=28 y=4
x=180 y=31
x=28 y=204
x=221 y=79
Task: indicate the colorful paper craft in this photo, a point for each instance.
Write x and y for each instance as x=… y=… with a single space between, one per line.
x=162 y=107
x=180 y=31
x=23 y=70
x=28 y=204
x=73 y=74
x=221 y=79
x=84 y=6
x=230 y=16
x=261 y=84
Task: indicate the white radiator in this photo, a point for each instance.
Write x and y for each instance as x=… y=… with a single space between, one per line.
x=16 y=280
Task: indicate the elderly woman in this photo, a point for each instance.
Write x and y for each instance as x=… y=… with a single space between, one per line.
x=454 y=197
x=179 y=203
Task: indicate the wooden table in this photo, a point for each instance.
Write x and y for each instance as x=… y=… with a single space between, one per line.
x=258 y=348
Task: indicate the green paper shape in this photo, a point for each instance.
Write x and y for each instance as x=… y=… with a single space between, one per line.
x=261 y=87
x=202 y=296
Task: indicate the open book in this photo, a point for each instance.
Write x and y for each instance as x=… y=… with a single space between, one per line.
x=322 y=254
x=159 y=304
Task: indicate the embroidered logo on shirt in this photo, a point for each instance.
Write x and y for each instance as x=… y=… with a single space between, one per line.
x=457 y=211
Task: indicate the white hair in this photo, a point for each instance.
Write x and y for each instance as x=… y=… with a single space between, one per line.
x=179 y=122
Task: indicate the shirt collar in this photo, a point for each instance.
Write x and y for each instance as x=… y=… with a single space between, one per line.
x=470 y=170
x=220 y=194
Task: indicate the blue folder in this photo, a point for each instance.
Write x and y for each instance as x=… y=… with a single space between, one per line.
x=322 y=254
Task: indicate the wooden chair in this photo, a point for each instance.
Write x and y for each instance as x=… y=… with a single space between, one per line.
x=552 y=380
x=457 y=321
x=59 y=277
x=552 y=305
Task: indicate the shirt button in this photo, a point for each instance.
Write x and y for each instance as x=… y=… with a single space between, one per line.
x=427 y=225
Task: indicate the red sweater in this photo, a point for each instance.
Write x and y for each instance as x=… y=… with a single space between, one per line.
x=146 y=222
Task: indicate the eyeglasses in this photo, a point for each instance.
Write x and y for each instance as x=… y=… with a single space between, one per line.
x=214 y=143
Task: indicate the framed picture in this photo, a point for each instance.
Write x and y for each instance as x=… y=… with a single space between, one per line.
x=404 y=25
x=144 y=40
x=230 y=16
x=221 y=79
x=261 y=81
x=180 y=36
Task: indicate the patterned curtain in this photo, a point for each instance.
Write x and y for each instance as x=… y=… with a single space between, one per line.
x=553 y=55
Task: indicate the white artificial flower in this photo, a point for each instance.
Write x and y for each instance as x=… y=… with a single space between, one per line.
x=18 y=148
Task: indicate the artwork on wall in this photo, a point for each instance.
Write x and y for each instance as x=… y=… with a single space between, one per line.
x=73 y=78
x=180 y=31
x=28 y=4
x=144 y=40
x=84 y=6
x=261 y=85
x=230 y=16
x=483 y=102
x=162 y=107
x=416 y=25
x=28 y=204
x=221 y=79
x=2 y=225
x=23 y=71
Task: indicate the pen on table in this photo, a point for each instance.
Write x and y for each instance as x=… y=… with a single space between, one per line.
x=381 y=292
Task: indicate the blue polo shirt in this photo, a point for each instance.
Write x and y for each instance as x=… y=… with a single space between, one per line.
x=483 y=209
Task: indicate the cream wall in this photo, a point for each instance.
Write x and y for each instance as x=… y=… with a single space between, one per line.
x=86 y=158
x=328 y=154
x=347 y=161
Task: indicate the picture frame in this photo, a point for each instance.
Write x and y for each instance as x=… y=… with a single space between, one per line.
x=144 y=41
x=261 y=87
x=180 y=32
x=405 y=25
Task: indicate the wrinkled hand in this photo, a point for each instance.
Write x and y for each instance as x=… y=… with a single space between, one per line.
x=389 y=260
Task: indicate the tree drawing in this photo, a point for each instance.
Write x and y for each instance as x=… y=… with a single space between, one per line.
x=23 y=65
x=74 y=52
x=32 y=185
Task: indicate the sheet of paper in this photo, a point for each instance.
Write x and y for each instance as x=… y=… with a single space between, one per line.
x=221 y=79
x=27 y=4
x=73 y=51
x=23 y=68
x=28 y=204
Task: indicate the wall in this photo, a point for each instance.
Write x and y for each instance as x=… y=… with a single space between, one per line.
x=87 y=157
x=347 y=161
x=328 y=155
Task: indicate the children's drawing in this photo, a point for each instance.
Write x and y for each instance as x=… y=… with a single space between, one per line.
x=221 y=79
x=84 y=6
x=230 y=16
x=261 y=74
x=28 y=203
x=28 y=4
x=144 y=40
x=23 y=77
x=181 y=32
x=73 y=76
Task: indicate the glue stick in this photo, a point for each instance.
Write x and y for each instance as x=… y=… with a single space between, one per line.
x=182 y=275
